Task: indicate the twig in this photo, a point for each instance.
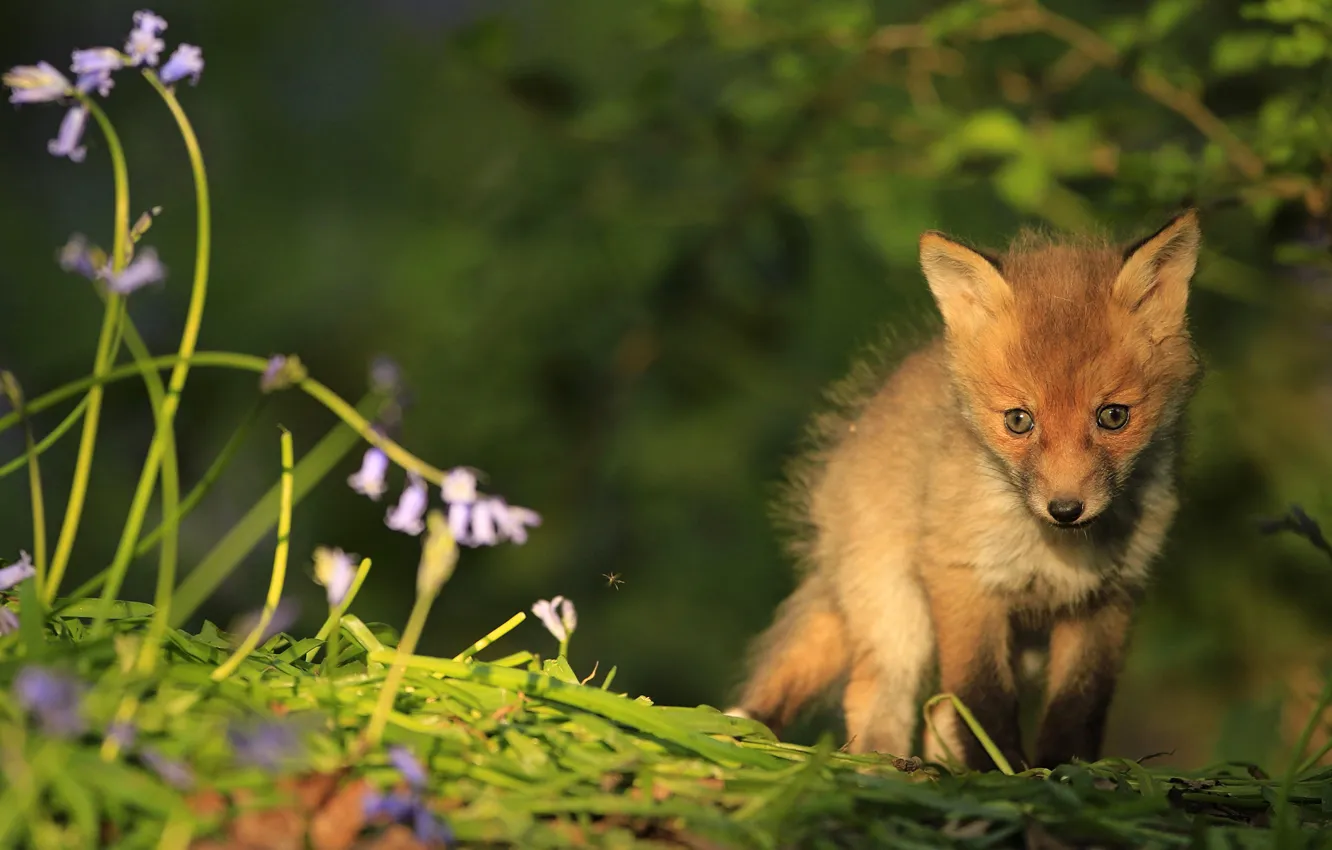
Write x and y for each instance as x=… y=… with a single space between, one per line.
x=1030 y=16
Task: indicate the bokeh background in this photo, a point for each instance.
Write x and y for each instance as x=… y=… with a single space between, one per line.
x=618 y=250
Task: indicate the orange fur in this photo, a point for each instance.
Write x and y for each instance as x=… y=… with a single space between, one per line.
x=932 y=529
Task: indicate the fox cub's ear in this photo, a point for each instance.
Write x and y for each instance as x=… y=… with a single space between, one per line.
x=1154 y=281
x=966 y=284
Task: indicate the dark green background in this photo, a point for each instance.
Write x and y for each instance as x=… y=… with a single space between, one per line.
x=618 y=249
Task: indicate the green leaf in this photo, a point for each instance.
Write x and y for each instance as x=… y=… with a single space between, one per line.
x=1240 y=52
x=560 y=669
x=1165 y=15
x=1024 y=182
x=993 y=131
x=955 y=17
x=1305 y=46
x=1289 y=11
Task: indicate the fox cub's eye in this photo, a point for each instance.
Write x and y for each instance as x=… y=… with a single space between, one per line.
x=1018 y=420
x=1112 y=417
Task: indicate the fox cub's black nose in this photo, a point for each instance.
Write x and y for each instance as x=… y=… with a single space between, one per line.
x=1065 y=510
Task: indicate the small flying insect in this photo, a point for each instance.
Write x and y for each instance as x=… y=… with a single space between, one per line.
x=613 y=580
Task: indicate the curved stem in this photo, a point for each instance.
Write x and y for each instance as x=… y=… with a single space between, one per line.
x=102 y=360
x=228 y=359
x=388 y=692
x=170 y=476
x=163 y=442
x=279 y=575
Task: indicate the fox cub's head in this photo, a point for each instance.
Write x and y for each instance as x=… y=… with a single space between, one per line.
x=1068 y=358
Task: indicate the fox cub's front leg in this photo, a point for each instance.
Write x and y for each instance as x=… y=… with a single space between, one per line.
x=1086 y=651
x=975 y=650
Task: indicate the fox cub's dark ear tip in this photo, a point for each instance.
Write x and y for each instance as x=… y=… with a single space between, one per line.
x=1185 y=219
x=1188 y=215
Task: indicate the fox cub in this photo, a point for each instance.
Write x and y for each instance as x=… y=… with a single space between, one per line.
x=1010 y=481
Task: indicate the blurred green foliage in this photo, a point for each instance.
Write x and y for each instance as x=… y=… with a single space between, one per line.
x=619 y=249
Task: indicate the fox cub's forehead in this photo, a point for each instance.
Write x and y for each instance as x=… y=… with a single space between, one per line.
x=1079 y=272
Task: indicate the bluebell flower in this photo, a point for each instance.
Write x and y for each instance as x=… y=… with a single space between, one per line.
x=430 y=829
x=459 y=493
x=81 y=258
x=40 y=83
x=394 y=807
x=267 y=744
x=477 y=520
x=9 y=621
x=187 y=61
x=514 y=520
x=143 y=45
x=66 y=142
x=459 y=486
x=274 y=368
x=282 y=372
x=409 y=766
x=558 y=616
x=77 y=256
x=16 y=572
x=369 y=479
x=333 y=569
x=144 y=269
x=484 y=531
x=408 y=809
x=407 y=516
x=53 y=698
x=175 y=773
x=94 y=67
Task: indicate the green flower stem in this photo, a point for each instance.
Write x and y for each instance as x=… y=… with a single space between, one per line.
x=411 y=635
x=163 y=442
x=102 y=360
x=279 y=574
x=83 y=464
x=348 y=414
x=227 y=359
x=495 y=634
x=15 y=394
x=170 y=476
x=48 y=441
